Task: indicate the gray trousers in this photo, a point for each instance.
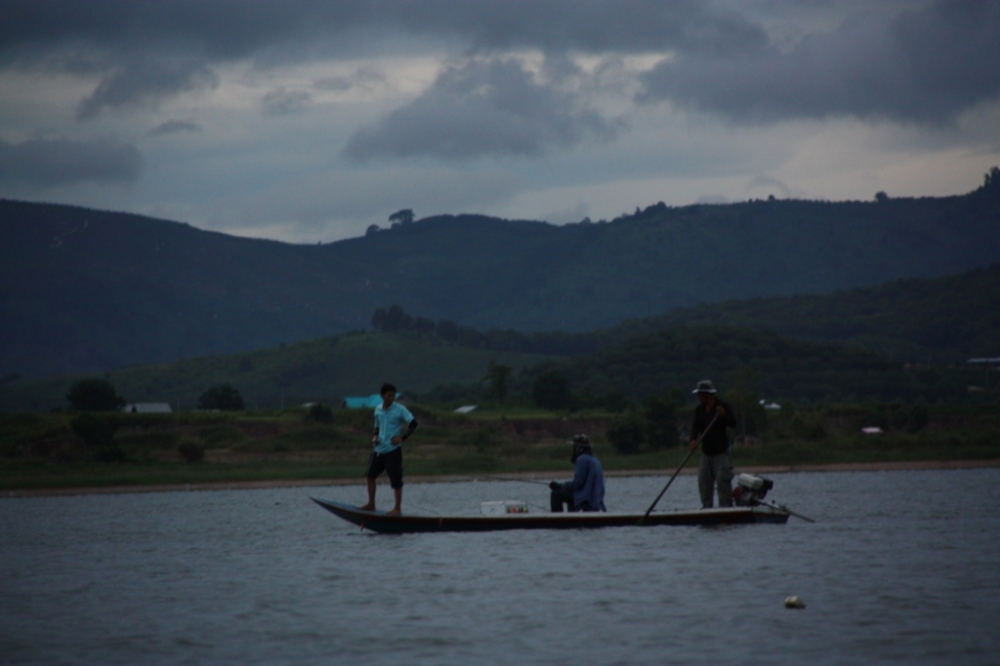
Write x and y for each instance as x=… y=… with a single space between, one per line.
x=715 y=472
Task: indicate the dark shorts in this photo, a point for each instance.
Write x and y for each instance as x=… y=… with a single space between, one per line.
x=390 y=463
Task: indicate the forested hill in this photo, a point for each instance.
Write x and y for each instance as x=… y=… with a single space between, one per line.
x=946 y=319
x=939 y=320
x=484 y=273
x=84 y=290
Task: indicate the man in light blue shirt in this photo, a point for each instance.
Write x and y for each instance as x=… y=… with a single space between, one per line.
x=387 y=455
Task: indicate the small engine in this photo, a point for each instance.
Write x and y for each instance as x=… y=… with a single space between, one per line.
x=750 y=489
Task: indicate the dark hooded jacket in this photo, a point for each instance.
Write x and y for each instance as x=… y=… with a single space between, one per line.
x=716 y=440
x=588 y=483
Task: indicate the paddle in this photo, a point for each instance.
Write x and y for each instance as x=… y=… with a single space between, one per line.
x=782 y=507
x=690 y=453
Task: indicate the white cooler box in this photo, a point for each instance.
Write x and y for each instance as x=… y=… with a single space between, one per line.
x=503 y=507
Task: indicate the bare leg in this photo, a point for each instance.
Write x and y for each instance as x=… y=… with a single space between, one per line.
x=371 y=497
x=396 y=510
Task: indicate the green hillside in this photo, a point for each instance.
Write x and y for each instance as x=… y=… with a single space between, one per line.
x=940 y=320
x=769 y=365
x=899 y=341
x=88 y=291
x=947 y=319
x=323 y=370
x=531 y=276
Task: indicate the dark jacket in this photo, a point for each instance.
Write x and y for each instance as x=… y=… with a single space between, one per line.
x=587 y=484
x=716 y=440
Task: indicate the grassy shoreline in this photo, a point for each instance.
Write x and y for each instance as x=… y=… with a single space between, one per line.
x=41 y=453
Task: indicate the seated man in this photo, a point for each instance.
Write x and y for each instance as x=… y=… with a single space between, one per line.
x=586 y=491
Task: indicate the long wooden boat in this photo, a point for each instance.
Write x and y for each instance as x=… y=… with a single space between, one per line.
x=380 y=521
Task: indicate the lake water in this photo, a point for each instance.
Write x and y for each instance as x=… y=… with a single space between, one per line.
x=900 y=567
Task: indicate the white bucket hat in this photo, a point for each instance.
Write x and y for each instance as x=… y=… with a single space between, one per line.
x=704 y=386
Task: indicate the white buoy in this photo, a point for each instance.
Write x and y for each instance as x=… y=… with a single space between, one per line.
x=794 y=602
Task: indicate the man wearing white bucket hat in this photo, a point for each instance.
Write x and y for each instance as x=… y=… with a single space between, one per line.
x=711 y=418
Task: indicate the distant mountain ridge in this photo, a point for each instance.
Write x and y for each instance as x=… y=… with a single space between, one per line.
x=938 y=320
x=86 y=291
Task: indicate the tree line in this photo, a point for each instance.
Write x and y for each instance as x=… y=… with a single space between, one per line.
x=94 y=398
x=556 y=343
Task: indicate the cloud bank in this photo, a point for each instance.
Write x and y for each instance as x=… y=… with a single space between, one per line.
x=51 y=162
x=485 y=107
x=332 y=110
x=922 y=66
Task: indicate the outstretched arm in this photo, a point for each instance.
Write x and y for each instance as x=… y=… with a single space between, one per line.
x=580 y=474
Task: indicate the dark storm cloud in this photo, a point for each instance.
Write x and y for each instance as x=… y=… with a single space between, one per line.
x=49 y=162
x=925 y=66
x=146 y=83
x=631 y=26
x=221 y=28
x=147 y=51
x=484 y=107
x=236 y=29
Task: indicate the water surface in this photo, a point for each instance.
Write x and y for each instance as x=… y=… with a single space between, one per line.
x=900 y=567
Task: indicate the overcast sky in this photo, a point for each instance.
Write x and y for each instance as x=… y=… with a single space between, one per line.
x=309 y=120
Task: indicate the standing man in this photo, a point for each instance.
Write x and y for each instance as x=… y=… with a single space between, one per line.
x=714 y=470
x=390 y=417
x=586 y=491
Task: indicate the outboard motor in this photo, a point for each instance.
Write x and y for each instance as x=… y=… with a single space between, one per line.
x=750 y=489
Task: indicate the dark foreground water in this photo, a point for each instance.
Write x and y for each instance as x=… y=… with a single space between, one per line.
x=900 y=567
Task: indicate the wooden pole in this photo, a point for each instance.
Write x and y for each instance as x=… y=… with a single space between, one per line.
x=690 y=453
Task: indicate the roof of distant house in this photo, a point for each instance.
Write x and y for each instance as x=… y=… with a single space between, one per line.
x=148 y=408
x=370 y=401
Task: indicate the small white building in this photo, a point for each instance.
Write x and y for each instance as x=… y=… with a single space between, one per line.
x=147 y=408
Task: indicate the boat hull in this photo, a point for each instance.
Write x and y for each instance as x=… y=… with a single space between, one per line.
x=380 y=521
